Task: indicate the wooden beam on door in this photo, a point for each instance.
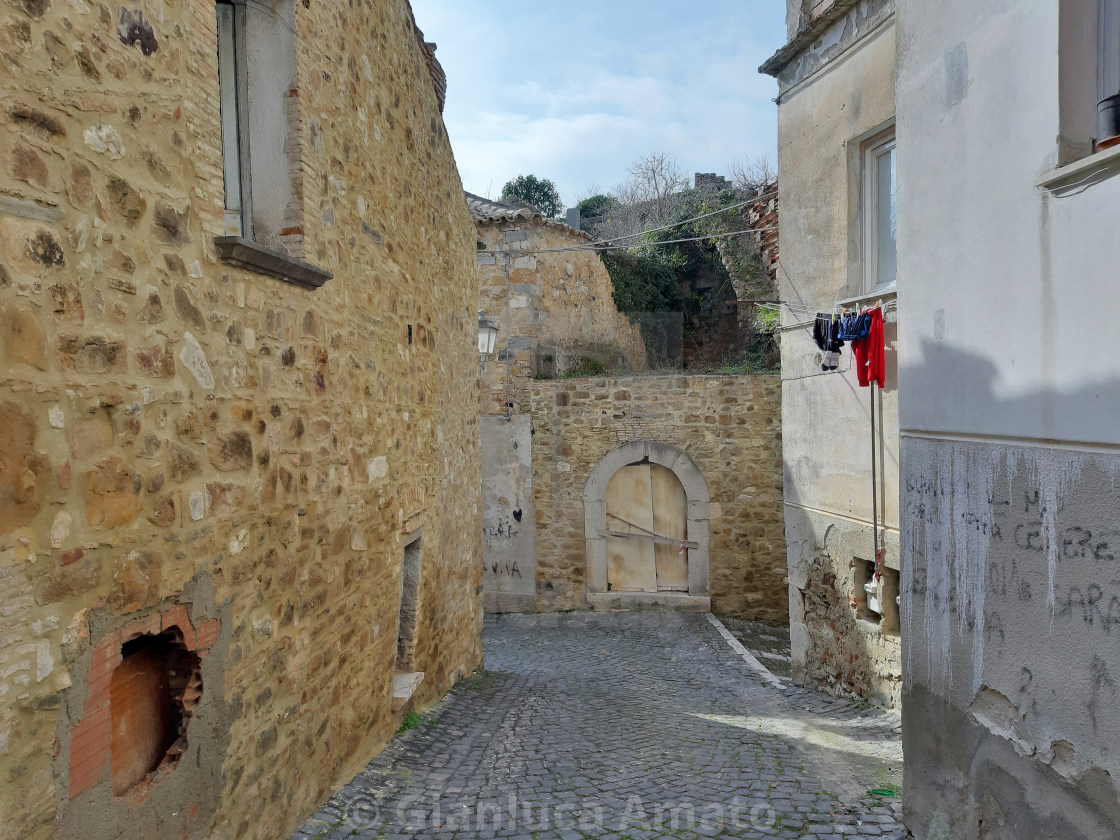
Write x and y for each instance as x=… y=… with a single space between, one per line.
x=605 y=532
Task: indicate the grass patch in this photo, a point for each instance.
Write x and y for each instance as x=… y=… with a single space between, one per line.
x=410 y=721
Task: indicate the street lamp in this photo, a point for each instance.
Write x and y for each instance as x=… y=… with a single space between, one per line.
x=487 y=335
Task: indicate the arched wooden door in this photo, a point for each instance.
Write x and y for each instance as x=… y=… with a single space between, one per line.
x=647 y=530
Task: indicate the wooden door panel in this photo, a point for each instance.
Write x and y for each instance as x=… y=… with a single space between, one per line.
x=670 y=518
x=630 y=500
x=631 y=565
x=631 y=562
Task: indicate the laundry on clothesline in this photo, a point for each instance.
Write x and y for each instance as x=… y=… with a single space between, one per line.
x=826 y=334
x=855 y=326
x=870 y=351
x=864 y=331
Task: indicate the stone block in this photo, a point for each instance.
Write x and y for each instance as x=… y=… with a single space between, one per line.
x=136 y=581
x=24 y=472
x=90 y=436
x=112 y=494
x=92 y=354
x=232 y=451
x=23 y=338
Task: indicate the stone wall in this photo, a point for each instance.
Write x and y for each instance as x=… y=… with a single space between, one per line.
x=728 y=425
x=552 y=309
x=219 y=457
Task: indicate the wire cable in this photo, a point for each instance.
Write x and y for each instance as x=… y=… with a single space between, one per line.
x=676 y=224
x=591 y=246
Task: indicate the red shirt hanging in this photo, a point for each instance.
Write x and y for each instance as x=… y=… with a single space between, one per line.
x=870 y=355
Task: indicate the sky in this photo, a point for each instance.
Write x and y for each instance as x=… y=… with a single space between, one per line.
x=575 y=90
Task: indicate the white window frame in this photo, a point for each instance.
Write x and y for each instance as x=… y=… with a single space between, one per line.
x=879 y=145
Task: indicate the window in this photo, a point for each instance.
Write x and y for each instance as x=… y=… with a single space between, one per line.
x=260 y=143
x=879 y=210
x=1108 y=73
x=410 y=605
x=1088 y=78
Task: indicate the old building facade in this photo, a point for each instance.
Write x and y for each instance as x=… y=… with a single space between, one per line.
x=1010 y=449
x=836 y=112
x=552 y=302
x=1007 y=443
x=239 y=469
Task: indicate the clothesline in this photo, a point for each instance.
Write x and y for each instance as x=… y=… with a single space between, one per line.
x=863 y=331
x=802 y=309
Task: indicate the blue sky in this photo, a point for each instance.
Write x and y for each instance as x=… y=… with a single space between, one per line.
x=575 y=90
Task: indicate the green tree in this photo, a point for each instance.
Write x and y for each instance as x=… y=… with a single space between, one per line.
x=539 y=194
x=592 y=209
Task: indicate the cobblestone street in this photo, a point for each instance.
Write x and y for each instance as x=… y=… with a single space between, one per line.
x=626 y=725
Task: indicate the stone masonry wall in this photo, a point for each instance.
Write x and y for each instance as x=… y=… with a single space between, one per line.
x=729 y=426
x=560 y=308
x=190 y=448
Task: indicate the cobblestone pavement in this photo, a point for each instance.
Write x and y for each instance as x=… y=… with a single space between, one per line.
x=633 y=726
x=768 y=642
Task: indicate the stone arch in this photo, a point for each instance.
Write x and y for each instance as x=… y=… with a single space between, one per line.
x=595 y=522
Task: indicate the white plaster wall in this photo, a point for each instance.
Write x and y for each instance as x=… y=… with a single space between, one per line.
x=1009 y=401
x=826 y=418
x=1010 y=293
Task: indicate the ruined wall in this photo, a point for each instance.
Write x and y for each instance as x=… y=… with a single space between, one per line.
x=552 y=309
x=730 y=428
x=218 y=456
x=837 y=643
x=1010 y=446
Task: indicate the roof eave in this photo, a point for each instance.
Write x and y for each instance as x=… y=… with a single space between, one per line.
x=776 y=63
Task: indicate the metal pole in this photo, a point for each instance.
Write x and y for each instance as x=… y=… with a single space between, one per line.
x=874 y=486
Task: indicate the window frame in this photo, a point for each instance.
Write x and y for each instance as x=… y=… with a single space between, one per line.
x=871 y=150
x=236 y=161
x=1108 y=62
x=238 y=245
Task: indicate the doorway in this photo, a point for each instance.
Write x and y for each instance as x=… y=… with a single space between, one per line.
x=647 y=530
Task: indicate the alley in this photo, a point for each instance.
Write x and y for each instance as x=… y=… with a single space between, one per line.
x=625 y=725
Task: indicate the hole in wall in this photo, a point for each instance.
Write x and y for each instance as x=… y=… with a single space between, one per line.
x=152 y=694
x=410 y=333
x=865 y=595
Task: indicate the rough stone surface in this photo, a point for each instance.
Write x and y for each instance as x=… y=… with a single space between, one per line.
x=631 y=725
x=728 y=425
x=209 y=452
x=561 y=308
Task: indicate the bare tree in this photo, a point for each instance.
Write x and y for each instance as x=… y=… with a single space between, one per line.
x=751 y=175
x=656 y=178
x=650 y=198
